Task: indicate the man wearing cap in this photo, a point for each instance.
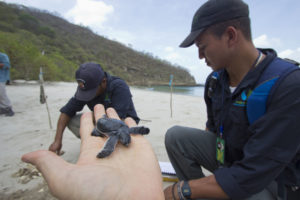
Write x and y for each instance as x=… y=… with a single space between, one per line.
x=250 y=160
x=95 y=86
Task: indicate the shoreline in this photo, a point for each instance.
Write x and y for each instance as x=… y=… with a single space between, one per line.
x=21 y=81
x=197 y=91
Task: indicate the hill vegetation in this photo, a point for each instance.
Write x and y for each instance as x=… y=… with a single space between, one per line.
x=33 y=38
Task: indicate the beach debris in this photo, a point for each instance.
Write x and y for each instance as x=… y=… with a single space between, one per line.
x=146 y=120
x=116 y=130
x=61 y=153
x=26 y=174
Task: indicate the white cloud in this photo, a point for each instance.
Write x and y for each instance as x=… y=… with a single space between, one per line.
x=291 y=54
x=90 y=13
x=264 y=41
x=261 y=41
x=94 y=14
x=122 y=36
x=171 y=55
x=286 y=53
x=188 y=59
x=169 y=49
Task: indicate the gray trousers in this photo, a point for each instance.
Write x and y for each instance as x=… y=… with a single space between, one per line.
x=189 y=149
x=4 y=100
x=74 y=125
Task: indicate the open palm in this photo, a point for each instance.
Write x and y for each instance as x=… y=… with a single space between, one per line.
x=128 y=173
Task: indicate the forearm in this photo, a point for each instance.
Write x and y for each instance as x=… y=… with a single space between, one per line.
x=207 y=187
x=61 y=125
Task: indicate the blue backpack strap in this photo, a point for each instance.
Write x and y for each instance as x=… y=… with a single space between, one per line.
x=256 y=103
x=268 y=82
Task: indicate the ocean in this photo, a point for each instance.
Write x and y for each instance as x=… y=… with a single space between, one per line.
x=185 y=90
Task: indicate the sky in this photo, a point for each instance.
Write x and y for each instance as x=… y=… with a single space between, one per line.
x=159 y=26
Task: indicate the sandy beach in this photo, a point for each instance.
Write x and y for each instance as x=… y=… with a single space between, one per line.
x=29 y=130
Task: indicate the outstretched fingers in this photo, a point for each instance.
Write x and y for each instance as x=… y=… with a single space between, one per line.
x=88 y=122
x=99 y=111
x=90 y=145
x=111 y=113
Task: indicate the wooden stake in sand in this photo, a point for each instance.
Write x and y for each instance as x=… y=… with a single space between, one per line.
x=43 y=97
x=171 y=92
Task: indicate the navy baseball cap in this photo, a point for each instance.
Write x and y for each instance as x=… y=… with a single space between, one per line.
x=89 y=76
x=213 y=12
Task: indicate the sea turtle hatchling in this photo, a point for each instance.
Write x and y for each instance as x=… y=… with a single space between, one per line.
x=116 y=130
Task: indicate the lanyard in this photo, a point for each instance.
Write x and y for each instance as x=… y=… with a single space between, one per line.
x=221 y=127
x=220 y=143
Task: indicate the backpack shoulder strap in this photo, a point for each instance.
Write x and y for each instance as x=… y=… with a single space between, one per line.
x=268 y=82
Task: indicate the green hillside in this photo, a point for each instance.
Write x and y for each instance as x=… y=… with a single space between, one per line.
x=27 y=32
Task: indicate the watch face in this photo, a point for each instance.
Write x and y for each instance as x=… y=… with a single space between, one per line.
x=186 y=190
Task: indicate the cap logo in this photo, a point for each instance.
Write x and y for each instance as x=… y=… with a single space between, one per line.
x=81 y=83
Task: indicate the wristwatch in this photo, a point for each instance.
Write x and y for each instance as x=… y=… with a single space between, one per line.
x=186 y=190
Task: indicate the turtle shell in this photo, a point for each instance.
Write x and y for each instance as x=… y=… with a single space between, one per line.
x=107 y=125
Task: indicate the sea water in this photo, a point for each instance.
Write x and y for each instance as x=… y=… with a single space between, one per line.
x=184 y=90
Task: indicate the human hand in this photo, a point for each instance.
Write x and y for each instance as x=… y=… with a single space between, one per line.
x=128 y=173
x=56 y=147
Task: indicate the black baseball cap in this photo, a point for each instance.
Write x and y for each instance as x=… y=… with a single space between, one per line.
x=89 y=76
x=213 y=12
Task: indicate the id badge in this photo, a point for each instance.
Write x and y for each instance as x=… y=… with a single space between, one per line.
x=220 y=147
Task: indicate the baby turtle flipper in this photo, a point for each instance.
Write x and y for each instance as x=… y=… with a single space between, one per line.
x=139 y=130
x=109 y=146
x=97 y=133
x=124 y=136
